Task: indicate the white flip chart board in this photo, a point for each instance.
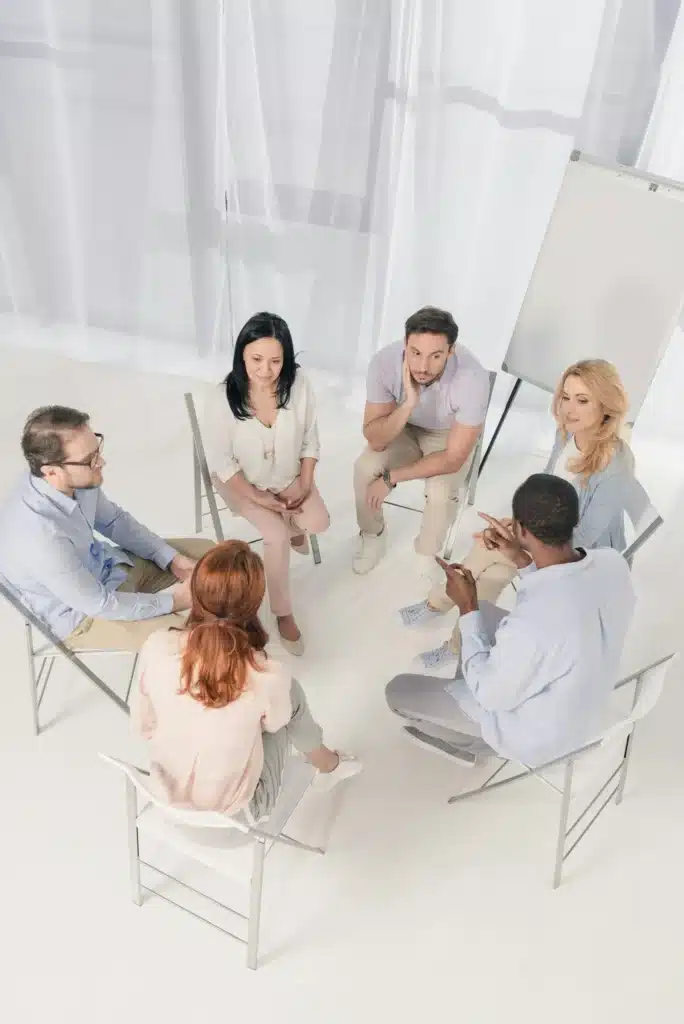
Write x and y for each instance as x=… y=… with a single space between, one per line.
x=609 y=279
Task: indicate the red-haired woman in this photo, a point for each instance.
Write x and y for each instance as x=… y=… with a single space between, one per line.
x=219 y=715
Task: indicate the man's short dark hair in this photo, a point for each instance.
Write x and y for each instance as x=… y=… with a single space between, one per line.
x=430 y=320
x=548 y=507
x=42 y=441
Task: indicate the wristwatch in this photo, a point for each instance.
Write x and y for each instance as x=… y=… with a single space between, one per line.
x=387 y=480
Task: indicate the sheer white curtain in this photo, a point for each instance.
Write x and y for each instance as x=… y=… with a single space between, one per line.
x=383 y=155
x=167 y=167
x=109 y=221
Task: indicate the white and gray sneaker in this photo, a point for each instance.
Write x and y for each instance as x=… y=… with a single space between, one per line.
x=371 y=548
x=346 y=768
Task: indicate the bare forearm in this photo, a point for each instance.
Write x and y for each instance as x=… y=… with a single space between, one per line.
x=240 y=487
x=382 y=431
x=437 y=464
x=306 y=471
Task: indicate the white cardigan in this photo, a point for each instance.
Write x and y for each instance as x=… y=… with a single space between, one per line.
x=268 y=457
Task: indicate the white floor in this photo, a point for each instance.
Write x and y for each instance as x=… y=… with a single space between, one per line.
x=417 y=908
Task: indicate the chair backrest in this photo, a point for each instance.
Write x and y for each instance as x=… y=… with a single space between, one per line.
x=649 y=684
x=643 y=516
x=197 y=436
x=176 y=815
x=474 y=469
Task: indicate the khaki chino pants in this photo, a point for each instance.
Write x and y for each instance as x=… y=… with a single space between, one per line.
x=441 y=492
x=144 y=577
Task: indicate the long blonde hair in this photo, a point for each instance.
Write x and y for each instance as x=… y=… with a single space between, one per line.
x=603 y=383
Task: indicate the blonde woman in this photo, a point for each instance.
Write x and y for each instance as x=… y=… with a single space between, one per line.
x=589 y=407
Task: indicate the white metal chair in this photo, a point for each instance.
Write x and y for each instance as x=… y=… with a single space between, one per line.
x=231 y=846
x=648 y=687
x=643 y=516
x=466 y=495
x=42 y=657
x=204 y=488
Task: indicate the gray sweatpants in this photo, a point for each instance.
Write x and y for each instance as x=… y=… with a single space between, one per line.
x=302 y=732
x=426 y=701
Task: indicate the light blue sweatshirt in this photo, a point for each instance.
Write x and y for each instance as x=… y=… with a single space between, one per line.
x=539 y=686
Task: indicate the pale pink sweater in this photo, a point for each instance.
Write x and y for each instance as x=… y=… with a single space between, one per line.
x=205 y=758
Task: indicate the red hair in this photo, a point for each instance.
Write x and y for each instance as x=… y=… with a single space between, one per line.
x=224 y=632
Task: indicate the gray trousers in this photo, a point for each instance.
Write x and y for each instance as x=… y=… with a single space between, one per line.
x=302 y=732
x=425 y=701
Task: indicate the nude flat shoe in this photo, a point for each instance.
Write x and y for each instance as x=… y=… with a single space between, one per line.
x=301 y=548
x=296 y=647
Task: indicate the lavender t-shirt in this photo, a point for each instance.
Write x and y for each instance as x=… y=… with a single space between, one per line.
x=460 y=395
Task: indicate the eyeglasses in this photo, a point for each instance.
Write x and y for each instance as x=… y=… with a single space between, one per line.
x=90 y=461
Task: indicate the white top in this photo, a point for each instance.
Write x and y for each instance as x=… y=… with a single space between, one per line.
x=569 y=454
x=268 y=457
x=540 y=686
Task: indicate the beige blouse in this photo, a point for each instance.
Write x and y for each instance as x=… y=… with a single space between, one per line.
x=205 y=758
x=268 y=457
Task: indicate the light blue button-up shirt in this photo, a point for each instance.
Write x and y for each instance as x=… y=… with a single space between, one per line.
x=539 y=685
x=51 y=558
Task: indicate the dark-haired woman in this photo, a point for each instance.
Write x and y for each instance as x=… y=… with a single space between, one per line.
x=263 y=448
x=218 y=714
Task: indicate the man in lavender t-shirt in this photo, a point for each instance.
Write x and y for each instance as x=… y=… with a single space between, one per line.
x=426 y=403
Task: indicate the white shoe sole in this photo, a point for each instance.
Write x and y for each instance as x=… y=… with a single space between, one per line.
x=441 y=747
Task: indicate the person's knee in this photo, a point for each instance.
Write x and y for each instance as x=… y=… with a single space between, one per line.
x=396 y=690
x=320 y=521
x=369 y=465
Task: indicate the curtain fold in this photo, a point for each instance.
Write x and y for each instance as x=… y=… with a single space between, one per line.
x=168 y=167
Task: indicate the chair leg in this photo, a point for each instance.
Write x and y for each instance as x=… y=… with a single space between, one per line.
x=197 y=477
x=131 y=677
x=453 y=529
x=625 y=765
x=133 y=847
x=315 y=550
x=255 y=891
x=563 y=823
x=32 y=677
x=214 y=513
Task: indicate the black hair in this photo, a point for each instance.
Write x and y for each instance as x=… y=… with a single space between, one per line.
x=42 y=440
x=548 y=507
x=430 y=320
x=261 y=325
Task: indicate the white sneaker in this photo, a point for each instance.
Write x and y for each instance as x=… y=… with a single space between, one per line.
x=440 y=657
x=348 y=766
x=370 y=550
x=420 y=614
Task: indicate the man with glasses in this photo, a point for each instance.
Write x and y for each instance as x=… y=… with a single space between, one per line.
x=90 y=593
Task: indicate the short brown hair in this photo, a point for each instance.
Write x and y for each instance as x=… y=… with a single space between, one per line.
x=430 y=320
x=42 y=441
x=225 y=633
